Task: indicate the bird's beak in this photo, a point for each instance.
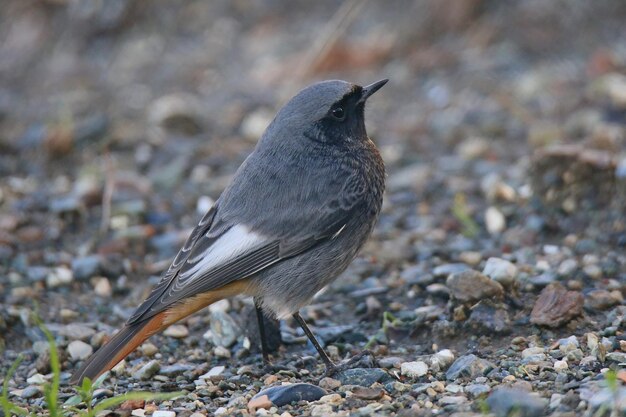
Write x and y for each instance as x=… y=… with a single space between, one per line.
x=368 y=90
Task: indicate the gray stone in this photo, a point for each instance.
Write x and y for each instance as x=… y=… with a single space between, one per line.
x=59 y=276
x=176 y=369
x=287 y=394
x=79 y=350
x=76 y=331
x=447 y=269
x=619 y=357
x=414 y=369
x=30 y=392
x=224 y=330
x=503 y=402
x=86 y=267
x=362 y=376
x=147 y=371
x=476 y=390
x=389 y=362
x=470 y=366
x=441 y=360
x=490 y=317
x=501 y=270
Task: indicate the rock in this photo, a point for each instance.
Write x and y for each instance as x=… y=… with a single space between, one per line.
x=389 y=362
x=329 y=384
x=103 y=287
x=441 y=360
x=149 y=349
x=556 y=306
x=414 y=369
x=368 y=394
x=59 y=276
x=362 y=376
x=488 y=317
x=147 y=371
x=86 y=267
x=213 y=372
x=505 y=401
x=477 y=390
x=259 y=402
x=177 y=331
x=163 y=413
x=560 y=366
x=567 y=267
x=452 y=400
x=472 y=286
x=36 y=379
x=442 y=271
x=410 y=177
x=470 y=366
x=79 y=350
x=77 y=331
x=533 y=351
x=600 y=300
x=253 y=126
x=224 y=330
x=568 y=344
x=177 y=113
x=132 y=404
x=176 y=369
x=619 y=357
x=608 y=399
x=494 y=221
x=31 y=392
x=501 y=270
x=286 y=394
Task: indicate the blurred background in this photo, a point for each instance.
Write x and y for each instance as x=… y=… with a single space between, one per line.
x=503 y=130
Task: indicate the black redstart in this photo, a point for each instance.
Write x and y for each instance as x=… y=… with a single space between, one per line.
x=293 y=218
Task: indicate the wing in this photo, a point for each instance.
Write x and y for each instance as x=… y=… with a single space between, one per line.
x=217 y=253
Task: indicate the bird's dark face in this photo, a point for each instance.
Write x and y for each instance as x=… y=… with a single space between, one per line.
x=329 y=113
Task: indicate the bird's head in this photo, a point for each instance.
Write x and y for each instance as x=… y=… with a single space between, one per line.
x=328 y=112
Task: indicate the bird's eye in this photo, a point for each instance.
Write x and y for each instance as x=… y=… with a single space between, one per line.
x=338 y=113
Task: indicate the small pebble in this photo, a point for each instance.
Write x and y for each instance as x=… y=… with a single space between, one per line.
x=163 y=413
x=414 y=369
x=79 y=350
x=177 y=331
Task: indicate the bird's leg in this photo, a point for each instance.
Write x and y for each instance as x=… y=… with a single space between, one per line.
x=331 y=368
x=261 y=321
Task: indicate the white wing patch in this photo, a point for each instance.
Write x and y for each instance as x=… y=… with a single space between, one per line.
x=236 y=241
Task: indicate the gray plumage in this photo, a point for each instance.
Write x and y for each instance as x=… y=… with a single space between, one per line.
x=294 y=216
x=308 y=177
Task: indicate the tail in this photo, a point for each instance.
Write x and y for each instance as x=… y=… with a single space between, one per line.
x=120 y=346
x=132 y=335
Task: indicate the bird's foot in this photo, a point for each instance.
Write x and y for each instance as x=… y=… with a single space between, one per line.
x=353 y=362
x=271 y=368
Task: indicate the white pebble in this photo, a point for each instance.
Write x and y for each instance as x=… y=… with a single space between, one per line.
x=560 y=366
x=442 y=359
x=494 y=220
x=177 y=331
x=163 y=413
x=103 y=287
x=414 y=369
x=501 y=270
x=59 y=276
x=79 y=350
x=215 y=371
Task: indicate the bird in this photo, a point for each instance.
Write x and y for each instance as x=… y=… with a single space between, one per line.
x=294 y=216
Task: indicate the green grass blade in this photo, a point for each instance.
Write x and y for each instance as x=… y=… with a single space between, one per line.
x=7 y=406
x=139 y=395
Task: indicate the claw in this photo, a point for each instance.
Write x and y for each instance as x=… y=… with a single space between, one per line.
x=334 y=369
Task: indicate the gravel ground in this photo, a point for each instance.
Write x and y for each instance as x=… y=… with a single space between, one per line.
x=495 y=279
